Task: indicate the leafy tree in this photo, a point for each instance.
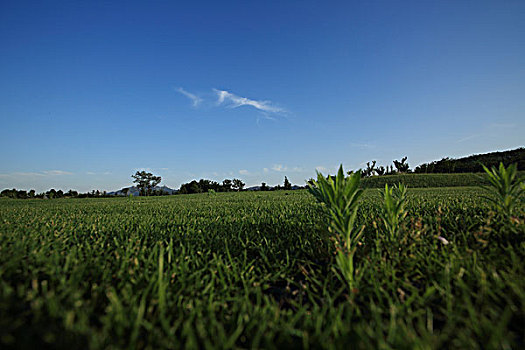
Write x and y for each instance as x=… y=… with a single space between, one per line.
x=51 y=193
x=401 y=166
x=370 y=169
x=145 y=181
x=192 y=187
x=32 y=194
x=227 y=185
x=381 y=170
x=264 y=187
x=72 y=193
x=287 y=184
x=238 y=184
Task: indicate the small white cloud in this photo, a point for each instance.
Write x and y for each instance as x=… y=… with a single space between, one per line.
x=278 y=167
x=244 y=172
x=195 y=100
x=362 y=145
x=321 y=169
x=282 y=168
x=238 y=101
x=265 y=170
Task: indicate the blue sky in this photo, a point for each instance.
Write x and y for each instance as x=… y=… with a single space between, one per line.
x=91 y=92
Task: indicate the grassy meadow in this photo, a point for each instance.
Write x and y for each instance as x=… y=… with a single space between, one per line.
x=256 y=270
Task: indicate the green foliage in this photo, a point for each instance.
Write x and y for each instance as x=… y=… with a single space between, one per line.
x=401 y=166
x=287 y=185
x=145 y=182
x=424 y=180
x=340 y=195
x=394 y=202
x=254 y=270
x=474 y=163
x=506 y=187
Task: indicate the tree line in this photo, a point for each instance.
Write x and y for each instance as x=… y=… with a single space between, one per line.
x=51 y=194
x=473 y=164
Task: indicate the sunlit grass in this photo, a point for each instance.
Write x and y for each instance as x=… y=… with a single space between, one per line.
x=254 y=270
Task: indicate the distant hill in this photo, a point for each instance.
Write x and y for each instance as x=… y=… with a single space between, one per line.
x=425 y=180
x=472 y=164
x=135 y=191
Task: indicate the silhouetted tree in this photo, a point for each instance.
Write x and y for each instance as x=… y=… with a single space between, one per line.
x=227 y=185
x=145 y=181
x=370 y=169
x=401 y=166
x=238 y=184
x=264 y=187
x=287 y=184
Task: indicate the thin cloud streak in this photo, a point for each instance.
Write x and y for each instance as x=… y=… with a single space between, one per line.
x=238 y=101
x=196 y=100
x=37 y=174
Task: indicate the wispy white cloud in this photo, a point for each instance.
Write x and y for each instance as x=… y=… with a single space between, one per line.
x=283 y=168
x=470 y=137
x=234 y=101
x=37 y=173
x=195 y=100
x=244 y=172
x=56 y=172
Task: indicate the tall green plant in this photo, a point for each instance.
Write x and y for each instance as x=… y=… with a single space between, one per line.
x=340 y=196
x=394 y=202
x=506 y=187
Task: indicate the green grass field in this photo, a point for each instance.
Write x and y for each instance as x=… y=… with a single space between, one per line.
x=254 y=270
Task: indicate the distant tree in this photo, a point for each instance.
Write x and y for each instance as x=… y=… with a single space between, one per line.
x=145 y=182
x=238 y=184
x=227 y=185
x=72 y=193
x=32 y=194
x=191 y=187
x=51 y=193
x=125 y=191
x=381 y=170
x=401 y=166
x=370 y=169
x=264 y=187
x=287 y=184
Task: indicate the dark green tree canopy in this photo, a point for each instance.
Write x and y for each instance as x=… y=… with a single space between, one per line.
x=238 y=184
x=145 y=181
x=287 y=184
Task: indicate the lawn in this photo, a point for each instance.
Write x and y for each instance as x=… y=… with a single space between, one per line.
x=256 y=269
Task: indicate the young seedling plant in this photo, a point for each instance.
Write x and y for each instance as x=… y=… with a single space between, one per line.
x=340 y=196
x=394 y=202
x=506 y=187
